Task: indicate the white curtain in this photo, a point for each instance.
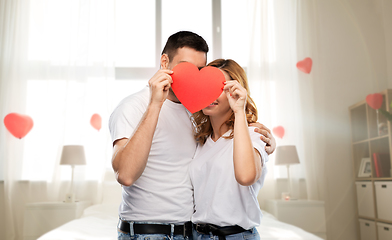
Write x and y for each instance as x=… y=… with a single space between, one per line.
x=281 y=35
x=313 y=140
x=56 y=66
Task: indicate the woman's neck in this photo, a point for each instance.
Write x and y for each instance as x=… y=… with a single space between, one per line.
x=218 y=126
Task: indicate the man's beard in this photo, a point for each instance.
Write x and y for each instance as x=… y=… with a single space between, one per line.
x=171 y=92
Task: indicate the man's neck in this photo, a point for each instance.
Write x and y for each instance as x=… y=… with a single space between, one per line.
x=172 y=97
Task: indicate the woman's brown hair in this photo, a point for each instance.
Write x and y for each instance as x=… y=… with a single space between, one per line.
x=201 y=123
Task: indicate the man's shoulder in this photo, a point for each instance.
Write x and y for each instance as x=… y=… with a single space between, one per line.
x=140 y=97
x=132 y=105
x=127 y=114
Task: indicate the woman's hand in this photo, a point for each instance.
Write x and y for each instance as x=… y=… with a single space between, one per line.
x=236 y=94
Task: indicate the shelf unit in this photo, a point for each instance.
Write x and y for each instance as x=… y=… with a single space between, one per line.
x=371 y=139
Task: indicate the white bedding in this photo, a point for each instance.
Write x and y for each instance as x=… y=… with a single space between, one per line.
x=99 y=222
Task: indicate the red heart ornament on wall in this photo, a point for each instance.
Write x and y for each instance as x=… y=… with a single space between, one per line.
x=278 y=131
x=18 y=124
x=96 y=121
x=196 y=89
x=374 y=100
x=305 y=65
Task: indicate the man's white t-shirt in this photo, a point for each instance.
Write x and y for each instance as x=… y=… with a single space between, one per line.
x=219 y=198
x=163 y=193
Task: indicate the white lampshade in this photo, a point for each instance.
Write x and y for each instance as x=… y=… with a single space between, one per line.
x=73 y=155
x=286 y=155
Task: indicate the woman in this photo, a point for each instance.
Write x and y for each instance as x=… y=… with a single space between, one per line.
x=228 y=168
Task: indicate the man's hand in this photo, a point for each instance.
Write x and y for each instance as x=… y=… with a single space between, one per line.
x=159 y=86
x=266 y=137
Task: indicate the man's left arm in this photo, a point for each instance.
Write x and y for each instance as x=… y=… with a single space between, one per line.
x=266 y=137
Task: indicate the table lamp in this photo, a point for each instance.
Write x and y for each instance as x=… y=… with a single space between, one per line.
x=287 y=155
x=72 y=155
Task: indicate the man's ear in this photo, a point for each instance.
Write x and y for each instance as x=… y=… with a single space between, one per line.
x=164 y=61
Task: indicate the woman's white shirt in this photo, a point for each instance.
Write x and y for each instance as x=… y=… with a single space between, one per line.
x=218 y=198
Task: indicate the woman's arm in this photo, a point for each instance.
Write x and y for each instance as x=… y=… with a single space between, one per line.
x=246 y=159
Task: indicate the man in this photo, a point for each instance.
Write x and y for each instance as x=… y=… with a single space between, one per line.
x=153 y=146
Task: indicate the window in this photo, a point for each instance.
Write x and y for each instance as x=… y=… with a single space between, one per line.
x=65 y=51
x=235 y=31
x=66 y=39
x=135 y=35
x=195 y=16
x=138 y=46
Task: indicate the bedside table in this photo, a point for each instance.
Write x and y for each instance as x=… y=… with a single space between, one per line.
x=41 y=217
x=306 y=214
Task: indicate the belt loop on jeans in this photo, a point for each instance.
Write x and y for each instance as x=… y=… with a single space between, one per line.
x=171 y=231
x=131 y=231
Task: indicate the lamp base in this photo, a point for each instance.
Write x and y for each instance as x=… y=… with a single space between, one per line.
x=70 y=198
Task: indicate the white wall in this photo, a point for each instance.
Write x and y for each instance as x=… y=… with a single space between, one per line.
x=354 y=59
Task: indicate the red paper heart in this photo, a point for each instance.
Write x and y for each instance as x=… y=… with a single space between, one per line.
x=196 y=89
x=305 y=65
x=18 y=124
x=278 y=131
x=96 y=121
x=374 y=100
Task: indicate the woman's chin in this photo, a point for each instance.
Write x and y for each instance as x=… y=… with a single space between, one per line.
x=207 y=111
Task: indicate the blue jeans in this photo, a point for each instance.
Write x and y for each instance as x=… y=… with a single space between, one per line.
x=131 y=236
x=251 y=234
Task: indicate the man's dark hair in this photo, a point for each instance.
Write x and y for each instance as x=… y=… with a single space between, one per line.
x=184 y=39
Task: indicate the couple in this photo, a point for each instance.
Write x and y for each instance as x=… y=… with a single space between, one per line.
x=154 y=143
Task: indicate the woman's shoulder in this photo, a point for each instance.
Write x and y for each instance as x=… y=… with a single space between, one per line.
x=251 y=130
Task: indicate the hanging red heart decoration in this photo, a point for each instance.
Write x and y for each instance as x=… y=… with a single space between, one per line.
x=196 y=89
x=96 y=121
x=374 y=100
x=305 y=65
x=278 y=131
x=18 y=124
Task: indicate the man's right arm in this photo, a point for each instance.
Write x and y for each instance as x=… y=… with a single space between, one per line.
x=130 y=155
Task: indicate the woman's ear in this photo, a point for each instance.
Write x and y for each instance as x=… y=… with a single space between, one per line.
x=164 y=61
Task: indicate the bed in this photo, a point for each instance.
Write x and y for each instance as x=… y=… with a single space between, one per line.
x=99 y=222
